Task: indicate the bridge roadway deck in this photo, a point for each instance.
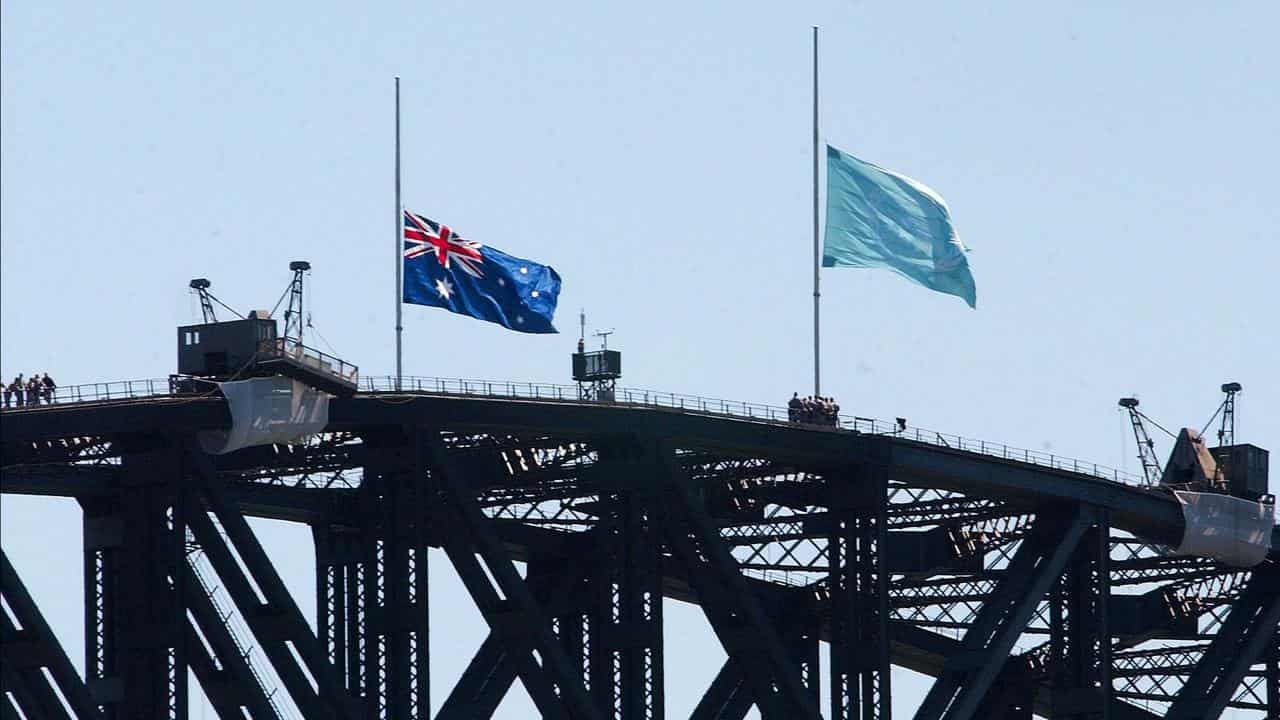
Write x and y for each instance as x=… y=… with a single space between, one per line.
x=1148 y=513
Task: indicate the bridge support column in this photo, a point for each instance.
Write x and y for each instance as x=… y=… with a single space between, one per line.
x=858 y=583
x=135 y=619
x=1079 y=633
x=393 y=506
x=624 y=626
x=340 y=602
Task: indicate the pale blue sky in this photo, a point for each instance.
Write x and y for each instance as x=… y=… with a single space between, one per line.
x=1112 y=169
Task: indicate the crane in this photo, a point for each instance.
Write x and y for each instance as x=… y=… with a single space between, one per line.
x=1227 y=433
x=293 y=319
x=1146 y=448
x=201 y=286
x=207 y=299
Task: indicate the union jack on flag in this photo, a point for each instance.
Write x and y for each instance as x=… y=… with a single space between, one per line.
x=425 y=236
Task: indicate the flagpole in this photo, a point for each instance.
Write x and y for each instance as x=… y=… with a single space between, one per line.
x=399 y=246
x=817 y=384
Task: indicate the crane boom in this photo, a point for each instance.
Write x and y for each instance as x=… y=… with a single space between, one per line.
x=201 y=286
x=1151 y=469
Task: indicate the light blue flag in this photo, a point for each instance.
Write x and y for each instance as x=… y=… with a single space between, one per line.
x=880 y=219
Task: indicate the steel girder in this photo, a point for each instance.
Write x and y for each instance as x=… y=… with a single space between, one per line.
x=264 y=601
x=1248 y=630
x=219 y=659
x=1037 y=564
x=507 y=603
x=735 y=614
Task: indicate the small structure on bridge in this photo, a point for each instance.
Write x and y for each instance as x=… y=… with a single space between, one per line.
x=596 y=372
x=252 y=346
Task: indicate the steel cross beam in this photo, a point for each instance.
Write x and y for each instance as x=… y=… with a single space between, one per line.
x=736 y=615
x=507 y=603
x=1239 y=643
x=1038 y=562
x=30 y=647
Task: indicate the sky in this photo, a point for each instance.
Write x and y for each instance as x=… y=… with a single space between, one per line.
x=1111 y=168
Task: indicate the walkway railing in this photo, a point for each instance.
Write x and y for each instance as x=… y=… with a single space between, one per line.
x=774 y=414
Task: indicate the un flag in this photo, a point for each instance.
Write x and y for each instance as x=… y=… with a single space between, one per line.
x=880 y=219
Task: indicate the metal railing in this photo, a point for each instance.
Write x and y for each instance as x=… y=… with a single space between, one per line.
x=633 y=397
x=291 y=349
x=773 y=414
x=94 y=392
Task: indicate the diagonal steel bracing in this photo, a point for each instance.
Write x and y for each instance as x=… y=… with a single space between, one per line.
x=219 y=661
x=736 y=615
x=727 y=698
x=507 y=603
x=1036 y=565
x=1240 y=643
x=493 y=669
x=484 y=683
x=274 y=617
x=29 y=648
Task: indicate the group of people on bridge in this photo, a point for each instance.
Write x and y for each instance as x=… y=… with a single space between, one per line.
x=813 y=410
x=29 y=391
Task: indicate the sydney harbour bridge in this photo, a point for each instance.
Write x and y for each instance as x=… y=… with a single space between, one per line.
x=1022 y=583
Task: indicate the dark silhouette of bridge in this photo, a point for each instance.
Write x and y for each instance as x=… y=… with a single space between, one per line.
x=1021 y=582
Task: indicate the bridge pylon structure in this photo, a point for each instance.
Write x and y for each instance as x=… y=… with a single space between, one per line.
x=1022 y=587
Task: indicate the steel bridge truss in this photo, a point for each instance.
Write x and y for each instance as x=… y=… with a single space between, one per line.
x=1013 y=607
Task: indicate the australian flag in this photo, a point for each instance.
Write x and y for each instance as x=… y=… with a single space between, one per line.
x=444 y=270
